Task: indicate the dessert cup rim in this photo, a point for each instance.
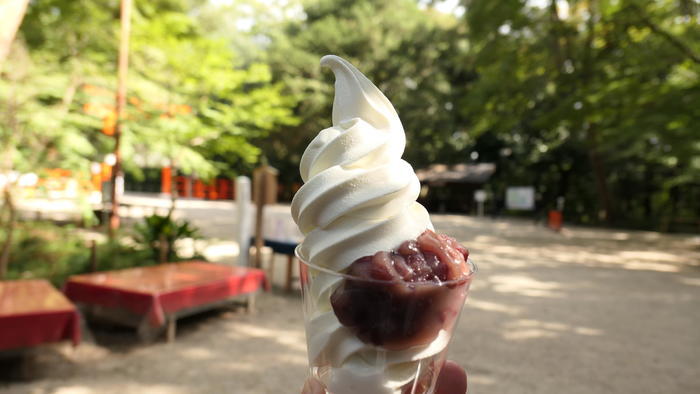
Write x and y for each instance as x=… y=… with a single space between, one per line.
x=473 y=269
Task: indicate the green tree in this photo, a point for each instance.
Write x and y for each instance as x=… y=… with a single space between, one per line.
x=611 y=82
x=396 y=44
x=191 y=100
x=37 y=131
x=590 y=100
x=61 y=46
x=175 y=62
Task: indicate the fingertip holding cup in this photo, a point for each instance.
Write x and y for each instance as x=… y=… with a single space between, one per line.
x=452 y=379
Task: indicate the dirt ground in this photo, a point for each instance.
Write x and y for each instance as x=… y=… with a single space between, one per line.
x=582 y=311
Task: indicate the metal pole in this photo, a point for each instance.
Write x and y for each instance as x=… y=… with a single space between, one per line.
x=123 y=67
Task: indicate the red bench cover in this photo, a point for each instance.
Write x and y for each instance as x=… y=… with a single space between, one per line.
x=167 y=288
x=33 y=312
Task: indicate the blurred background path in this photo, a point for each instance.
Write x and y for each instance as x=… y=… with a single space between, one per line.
x=581 y=311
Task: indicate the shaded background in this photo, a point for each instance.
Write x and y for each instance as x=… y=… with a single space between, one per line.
x=594 y=101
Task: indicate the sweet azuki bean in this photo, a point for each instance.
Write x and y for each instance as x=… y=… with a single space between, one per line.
x=390 y=303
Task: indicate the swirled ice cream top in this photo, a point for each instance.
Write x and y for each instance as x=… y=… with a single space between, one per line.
x=359 y=196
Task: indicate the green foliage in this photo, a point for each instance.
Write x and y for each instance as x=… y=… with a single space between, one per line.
x=159 y=234
x=44 y=250
x=65 y=46
x=41 y=250
x=595 y=101
x=61 y=46
x=116 y=254
x=592 y=100
x=403 y=49
x=37 y=129
x=175 y=62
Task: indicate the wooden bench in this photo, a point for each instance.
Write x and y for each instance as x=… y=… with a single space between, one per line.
x=33 y=312
x=151 y=299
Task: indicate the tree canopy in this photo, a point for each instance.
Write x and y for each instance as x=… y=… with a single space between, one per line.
x=189 y=99
x=594 y=101
x=591 y=100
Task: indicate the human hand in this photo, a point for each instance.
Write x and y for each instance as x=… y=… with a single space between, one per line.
x=452 y=380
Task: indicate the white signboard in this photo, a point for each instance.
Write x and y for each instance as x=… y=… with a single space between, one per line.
x=520 y=198
x=480 y=197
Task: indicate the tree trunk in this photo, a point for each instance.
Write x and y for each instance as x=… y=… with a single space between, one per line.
x=122 y=68
x=555 y=29
x=648 y=192
x=93 y=256
x=12 y=12
x=599 y=174
x=590 y=130
x=563 y=186
x=167 y=249
x=163 y=249
x=10 y=229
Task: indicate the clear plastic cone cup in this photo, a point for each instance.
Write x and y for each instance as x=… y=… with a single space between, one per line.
x=375 y=337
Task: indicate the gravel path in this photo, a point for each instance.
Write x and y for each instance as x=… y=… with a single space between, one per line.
x=583 y=311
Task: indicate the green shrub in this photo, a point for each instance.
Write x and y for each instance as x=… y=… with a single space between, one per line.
x=114 y=255
x=159 y=233
x=45 y=250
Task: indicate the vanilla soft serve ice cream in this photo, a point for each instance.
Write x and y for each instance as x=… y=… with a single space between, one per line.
x=359 y=197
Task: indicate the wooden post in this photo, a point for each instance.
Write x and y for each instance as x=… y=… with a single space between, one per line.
x=6 y=246
x=123 y=67
x=264 y=192
x=93 y=256
x=259 y=205
x=163 y=249
x=250 y=303
x=171 y=328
